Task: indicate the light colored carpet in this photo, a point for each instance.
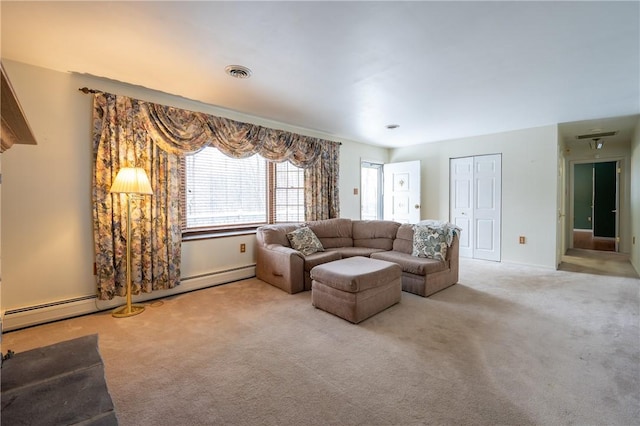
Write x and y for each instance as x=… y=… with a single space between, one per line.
x=511 y=345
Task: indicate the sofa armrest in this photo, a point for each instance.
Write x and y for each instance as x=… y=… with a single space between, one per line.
x=281 y=266
x=283 y=250
x=453 y=256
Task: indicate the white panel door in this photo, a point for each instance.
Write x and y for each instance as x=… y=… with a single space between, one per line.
x=475 y=204
x=486 y=213
x=402 y=191
x=461 y=201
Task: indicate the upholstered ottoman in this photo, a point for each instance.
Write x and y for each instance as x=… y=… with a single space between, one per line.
x=356 y=288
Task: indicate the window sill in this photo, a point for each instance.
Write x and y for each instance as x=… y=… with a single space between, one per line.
x=206 y=235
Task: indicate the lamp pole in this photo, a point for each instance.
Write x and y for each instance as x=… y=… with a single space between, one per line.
x=132 y=182
x=129 y=309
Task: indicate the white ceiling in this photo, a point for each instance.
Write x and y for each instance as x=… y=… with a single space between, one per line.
x=440 y=70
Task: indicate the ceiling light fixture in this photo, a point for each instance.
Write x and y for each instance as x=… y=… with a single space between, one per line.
x=392 y=126
x=596 y=143
x=238 y=71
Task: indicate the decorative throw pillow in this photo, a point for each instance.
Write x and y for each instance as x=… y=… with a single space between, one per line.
x=305 y=241
x=429 y=242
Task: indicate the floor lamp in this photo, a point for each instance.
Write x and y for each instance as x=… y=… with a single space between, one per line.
x=133 y=182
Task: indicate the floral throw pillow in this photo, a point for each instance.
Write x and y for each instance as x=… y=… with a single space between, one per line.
x=305 y=241
x=429 y=242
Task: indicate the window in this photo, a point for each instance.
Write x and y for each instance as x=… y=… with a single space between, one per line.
x=289 y=193
x=222 y=192
x=371 y=191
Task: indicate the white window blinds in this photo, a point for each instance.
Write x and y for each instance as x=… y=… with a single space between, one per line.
x=225 y=192
x=221 y=190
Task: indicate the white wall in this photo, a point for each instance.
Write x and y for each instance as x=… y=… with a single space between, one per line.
x=47 y=228
x=529 y=182
x=350 y=157
x=635 y=199
x=46 y=209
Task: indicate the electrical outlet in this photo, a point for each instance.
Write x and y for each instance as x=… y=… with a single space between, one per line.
x=522 y=239
x=243 y=248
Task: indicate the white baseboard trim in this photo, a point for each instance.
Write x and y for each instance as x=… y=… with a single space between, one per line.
x=33 y=315
x=14 y=319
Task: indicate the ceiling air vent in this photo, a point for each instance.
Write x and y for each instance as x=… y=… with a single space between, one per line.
x=238 y=71
x=597 y=135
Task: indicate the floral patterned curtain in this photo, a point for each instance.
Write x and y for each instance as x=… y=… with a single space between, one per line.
x=177 y=130
x=121 y=140
x=133 y=133
x=321 y=196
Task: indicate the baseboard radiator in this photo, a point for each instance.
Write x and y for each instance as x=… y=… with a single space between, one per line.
x=14 y=319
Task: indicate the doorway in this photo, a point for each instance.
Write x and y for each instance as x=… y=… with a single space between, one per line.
x=595 y=206
x=371 y=190
x=390 y=191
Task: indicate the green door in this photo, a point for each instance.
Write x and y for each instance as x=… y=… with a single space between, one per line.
x=604 y=210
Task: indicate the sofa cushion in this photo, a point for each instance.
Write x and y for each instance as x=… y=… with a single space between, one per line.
x=404 y=239
x=429 y=242
x=305 y=241
x=275 y=234
x=377 y=234
x=333 y=232
x=319 y=258
x=412 y=264
x=355 y=251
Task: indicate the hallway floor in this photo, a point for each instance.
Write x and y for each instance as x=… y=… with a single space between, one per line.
x=598 y=262
x=584 y=239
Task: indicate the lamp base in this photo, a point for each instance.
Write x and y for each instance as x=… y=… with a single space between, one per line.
x=127 y=311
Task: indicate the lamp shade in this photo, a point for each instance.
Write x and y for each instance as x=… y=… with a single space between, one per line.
x=131 y=180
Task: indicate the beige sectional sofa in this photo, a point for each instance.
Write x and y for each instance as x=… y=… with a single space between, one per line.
x=288 y=269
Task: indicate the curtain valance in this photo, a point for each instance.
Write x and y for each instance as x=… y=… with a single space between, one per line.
x=180 y=131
